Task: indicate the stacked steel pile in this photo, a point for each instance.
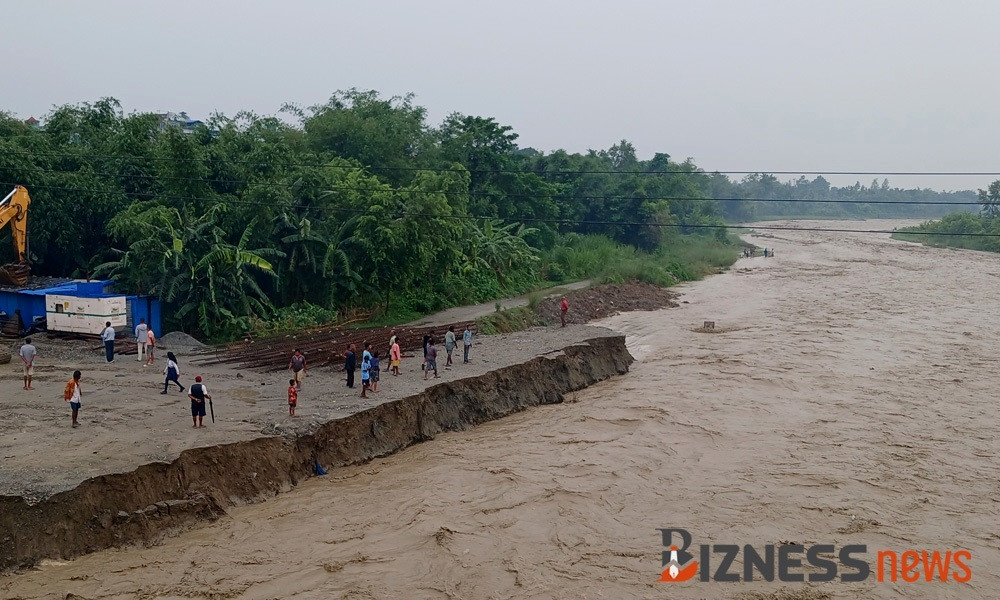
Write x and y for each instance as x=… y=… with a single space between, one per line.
x=326 y=346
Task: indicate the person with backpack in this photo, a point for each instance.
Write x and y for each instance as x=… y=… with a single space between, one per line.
x=173 y=372
x=73 y=394
x=198 y=394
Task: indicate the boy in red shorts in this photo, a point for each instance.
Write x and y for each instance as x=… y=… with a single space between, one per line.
x=293 y=397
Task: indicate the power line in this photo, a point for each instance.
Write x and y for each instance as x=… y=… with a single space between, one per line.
x=489 y=194
x=569 y=221
x=699 y=170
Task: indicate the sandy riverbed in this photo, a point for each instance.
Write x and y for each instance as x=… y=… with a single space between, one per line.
x=848 y=397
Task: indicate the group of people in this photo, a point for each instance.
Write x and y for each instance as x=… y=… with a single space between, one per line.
x=749 y=252
x=145 y=341
x=371 y=362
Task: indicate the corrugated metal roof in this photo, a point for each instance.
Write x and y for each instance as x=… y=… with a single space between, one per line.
x=36 y=283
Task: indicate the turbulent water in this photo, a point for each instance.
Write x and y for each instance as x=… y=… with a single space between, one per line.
x=846 y=397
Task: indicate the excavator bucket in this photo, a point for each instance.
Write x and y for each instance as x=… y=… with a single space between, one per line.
x=15 y=274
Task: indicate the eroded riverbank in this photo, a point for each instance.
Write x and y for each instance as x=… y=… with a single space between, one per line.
x=155 y=499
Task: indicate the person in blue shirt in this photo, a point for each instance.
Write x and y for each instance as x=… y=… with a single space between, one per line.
x=467 y=341
x=366 y=375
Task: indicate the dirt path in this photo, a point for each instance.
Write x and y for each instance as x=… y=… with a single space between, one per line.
x=471 y=313
x=846 y=397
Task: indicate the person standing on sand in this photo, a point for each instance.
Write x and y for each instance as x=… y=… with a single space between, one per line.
x=449 y=344
x=74 y=394
x=392 y=339
x=366 y=375
x=426 y=341
x=298 y=367
x=150 y=345
x=28 y=354
x=467 y=342
x=394 y=356
x=375 y=362
x=293 y=397
x=141 y=339
x=432 y=364
x=108 y=335
x=198 y=394
x=350 y=364
x=173 y=372
x=563 y=309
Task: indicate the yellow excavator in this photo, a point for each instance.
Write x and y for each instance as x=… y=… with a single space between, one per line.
x=14 y=210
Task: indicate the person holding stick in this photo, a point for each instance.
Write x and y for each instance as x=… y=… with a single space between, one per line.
x=198 y=394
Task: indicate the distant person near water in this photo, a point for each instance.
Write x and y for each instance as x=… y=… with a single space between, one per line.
x=563 y=309
x=394 y=356
x=74 y=395
x=467 y=342
x=108 y=335
x=141 y=340
x=431 y=364
x=374 y=371
x=198 y=395
x=350 y=364
x=150 y=346
x=427 y=339
x=450 y=342
x=293 y=397
x=173 y=372
x=297 y=365
x=28 y=354
x=366 y=374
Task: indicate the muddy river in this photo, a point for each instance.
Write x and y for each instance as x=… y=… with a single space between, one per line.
x=846 y=396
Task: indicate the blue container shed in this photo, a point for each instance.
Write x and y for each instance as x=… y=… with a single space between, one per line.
x=30 y=299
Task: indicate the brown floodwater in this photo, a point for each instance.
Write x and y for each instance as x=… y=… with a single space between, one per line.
x=847 y=396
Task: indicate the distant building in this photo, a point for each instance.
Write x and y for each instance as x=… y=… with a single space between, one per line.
x=32 y=122
x=179 y=120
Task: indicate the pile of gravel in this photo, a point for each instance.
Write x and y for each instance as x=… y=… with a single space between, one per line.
x=176 y=340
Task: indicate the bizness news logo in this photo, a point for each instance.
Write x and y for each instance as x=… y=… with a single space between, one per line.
x=788 y=562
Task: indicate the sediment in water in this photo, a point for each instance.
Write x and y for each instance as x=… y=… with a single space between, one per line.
x=158 y=499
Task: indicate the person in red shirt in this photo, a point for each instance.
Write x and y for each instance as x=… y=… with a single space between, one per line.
x=293 y=397
x=563 y=309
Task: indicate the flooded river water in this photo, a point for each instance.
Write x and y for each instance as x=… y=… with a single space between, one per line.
x=847 y=396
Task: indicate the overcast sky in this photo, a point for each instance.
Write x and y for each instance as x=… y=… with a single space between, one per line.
x=909 y=85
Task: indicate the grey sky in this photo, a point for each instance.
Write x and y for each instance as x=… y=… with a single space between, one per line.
x=849 y=85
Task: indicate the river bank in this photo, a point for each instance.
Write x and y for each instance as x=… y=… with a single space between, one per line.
x=845 y=397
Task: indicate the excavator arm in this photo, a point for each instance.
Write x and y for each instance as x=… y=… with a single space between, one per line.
x=14 y=210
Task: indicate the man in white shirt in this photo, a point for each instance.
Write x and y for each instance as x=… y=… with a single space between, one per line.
x=141 y=338
x=28 y=354
x=198 y=394
x=108 y=335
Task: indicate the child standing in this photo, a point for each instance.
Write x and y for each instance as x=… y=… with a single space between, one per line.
x=73 y=394
x=293 y=397
x=366 y=375
x=375 y=371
